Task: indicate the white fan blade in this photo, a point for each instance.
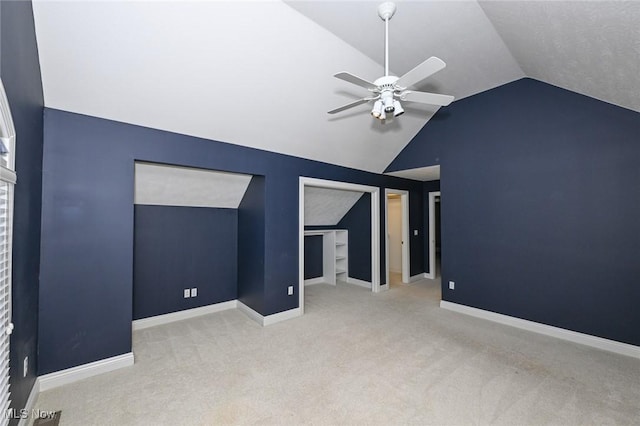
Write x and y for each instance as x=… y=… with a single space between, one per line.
x=422 y=71
x=352 y=104
x=354 y=79
x=426 y=98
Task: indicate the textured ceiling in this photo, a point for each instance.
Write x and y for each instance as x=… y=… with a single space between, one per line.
x=589 y=47
x=158 y=184
x=259 y=74
x=324 y=206
x=421 y=173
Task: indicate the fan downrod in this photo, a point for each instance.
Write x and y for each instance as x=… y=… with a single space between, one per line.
x=386 y=10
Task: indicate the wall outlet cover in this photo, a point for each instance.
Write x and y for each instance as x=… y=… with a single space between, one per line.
x=194 y=291
x=452 y=285
x=187 y=293
x=290 y=290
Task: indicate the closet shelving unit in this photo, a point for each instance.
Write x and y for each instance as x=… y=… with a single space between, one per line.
x=335 y=254
x=341 y=254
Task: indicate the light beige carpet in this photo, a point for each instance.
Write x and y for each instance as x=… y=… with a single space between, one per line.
x=355 y=358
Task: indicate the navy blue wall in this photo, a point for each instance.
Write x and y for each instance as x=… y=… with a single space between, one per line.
x=313 y=256
x=540 y=206
x=20 y=71
x=416 y=249
x=183 y=247
x=358 y=222
x=251 y=245
x=87 y=226
x=427 y=187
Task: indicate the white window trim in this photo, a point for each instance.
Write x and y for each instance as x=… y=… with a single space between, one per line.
x=8 y=176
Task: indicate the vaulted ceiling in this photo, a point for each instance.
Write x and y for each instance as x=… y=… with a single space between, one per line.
x=259 y=74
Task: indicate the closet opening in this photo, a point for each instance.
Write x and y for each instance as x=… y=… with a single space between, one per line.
x=321 y=208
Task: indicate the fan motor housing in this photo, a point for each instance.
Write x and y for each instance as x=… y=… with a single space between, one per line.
x=387 y=82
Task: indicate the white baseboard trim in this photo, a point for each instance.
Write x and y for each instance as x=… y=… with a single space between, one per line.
x=417 y=277
x=312 y=281
x=269 y=319
x=70 y=375
x=361 y=283
x=251 y=313
x=282 y=316
x=384 y=287
x=31 y=402
x=181 y=315
x=560 y=333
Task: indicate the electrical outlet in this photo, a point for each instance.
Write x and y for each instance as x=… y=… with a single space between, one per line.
x=25 y=366
x=452 y=285
x=187 y=293
x=290 y=290
x=194 y=292
x=415 y=232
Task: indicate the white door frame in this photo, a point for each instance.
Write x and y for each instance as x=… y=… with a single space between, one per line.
x=432 y=234
x=406 y=242
x=375 y=229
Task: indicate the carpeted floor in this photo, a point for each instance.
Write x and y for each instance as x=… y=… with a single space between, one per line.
x=355 y=358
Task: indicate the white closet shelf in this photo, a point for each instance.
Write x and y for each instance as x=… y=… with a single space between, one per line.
x=332 y=241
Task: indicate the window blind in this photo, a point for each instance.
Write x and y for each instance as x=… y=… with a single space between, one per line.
x=6 y=203
x=7 y=181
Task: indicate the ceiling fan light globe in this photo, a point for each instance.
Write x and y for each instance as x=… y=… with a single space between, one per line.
x=377 y=109
x=398 y=110
x=387 y=101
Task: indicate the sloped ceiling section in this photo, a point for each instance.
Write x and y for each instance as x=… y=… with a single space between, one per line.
x=424 y=174
x=457 y=32
x=158 y=184
x=324 y=206
x=589 y=47
x=257 y=74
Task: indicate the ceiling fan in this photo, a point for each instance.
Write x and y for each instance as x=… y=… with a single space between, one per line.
x=389 y=90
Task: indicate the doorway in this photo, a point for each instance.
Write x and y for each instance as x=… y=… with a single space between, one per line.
x=434 y=234
x=375 y=229
x=397 y=234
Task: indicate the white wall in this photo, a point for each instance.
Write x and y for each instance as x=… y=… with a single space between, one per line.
x=395 y=235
